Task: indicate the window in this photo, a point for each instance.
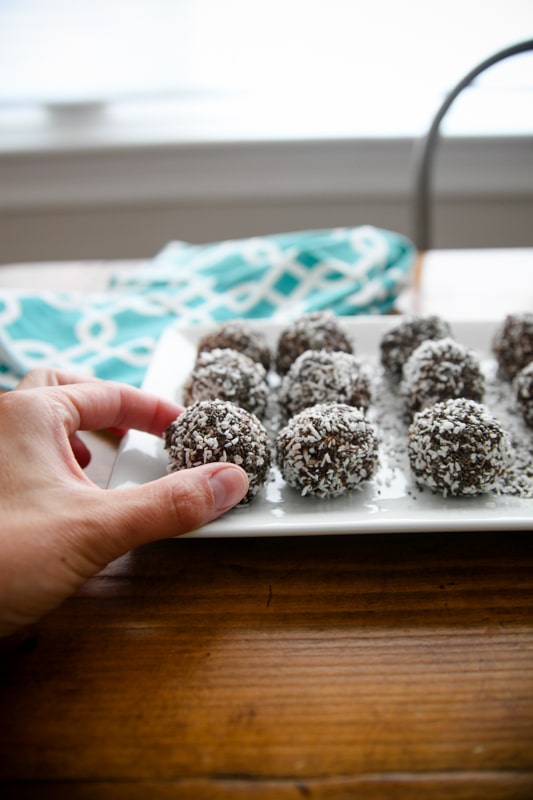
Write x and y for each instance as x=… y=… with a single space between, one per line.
x=103 y=72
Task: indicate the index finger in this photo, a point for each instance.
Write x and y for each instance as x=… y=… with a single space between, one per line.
x=49 y=376
x=105 y=404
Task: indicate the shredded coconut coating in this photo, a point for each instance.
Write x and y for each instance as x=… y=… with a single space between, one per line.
x=440 y=370
x=322 y=376
x=319 y=330
x=217 y=430
x=241 y=336
x=327 y=450
x=512 y=344
x=523 y=388
x=458 y=448
x=398 y=342
x=228 y=375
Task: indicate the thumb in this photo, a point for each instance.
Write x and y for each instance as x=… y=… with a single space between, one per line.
x=176 y=504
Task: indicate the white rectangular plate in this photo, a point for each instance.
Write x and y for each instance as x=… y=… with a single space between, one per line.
x=390 y=503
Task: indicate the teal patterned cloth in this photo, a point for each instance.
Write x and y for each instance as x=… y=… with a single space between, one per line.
x=112 y=335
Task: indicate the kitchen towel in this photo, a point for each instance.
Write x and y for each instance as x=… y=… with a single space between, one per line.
x=112 y=335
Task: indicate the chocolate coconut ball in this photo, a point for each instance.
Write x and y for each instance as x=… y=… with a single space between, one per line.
x=319 y=330
x=228 y=375
x=512 y=344
x=398 y=342
x=438 y=370
x=458 y=448
x=327 y=450
x=523 y=387
x=322 y=376
x=241 y=336
x=217 y=430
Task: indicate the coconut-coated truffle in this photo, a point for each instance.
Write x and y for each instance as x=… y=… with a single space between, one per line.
x=217 y=430
x=319 y=330
x=438 y=370
x=523 y=387
x=458 y=448
x=398 y=342
x=512 y=344
x=238 y=334
x=228 y=375
x=322 y=376
x=327 y=450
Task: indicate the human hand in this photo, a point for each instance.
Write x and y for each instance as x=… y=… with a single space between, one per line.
x=58 y=528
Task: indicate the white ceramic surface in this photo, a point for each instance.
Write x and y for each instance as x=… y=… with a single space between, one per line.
x=390 y=503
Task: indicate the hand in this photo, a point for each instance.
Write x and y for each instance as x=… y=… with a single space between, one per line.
x=57 y=528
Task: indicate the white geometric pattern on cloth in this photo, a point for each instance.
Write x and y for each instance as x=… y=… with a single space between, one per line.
x=9 y=310
x=112 y=335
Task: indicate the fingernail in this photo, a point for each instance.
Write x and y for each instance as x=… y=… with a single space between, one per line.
x=229 y=485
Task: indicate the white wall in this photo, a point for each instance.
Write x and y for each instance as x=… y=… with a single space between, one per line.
x=127 y=203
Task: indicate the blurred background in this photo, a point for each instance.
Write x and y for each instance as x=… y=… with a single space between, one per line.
x=128 y=123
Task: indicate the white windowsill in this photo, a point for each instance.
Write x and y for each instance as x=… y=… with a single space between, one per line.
x=196 y=151
x=367 y=168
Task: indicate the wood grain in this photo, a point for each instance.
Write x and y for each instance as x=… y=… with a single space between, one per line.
x=386 y=666
x=392 y=666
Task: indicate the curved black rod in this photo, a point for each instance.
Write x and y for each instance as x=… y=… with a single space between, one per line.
x=425 y=147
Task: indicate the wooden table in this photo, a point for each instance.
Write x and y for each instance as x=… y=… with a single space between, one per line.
x=384 y=666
